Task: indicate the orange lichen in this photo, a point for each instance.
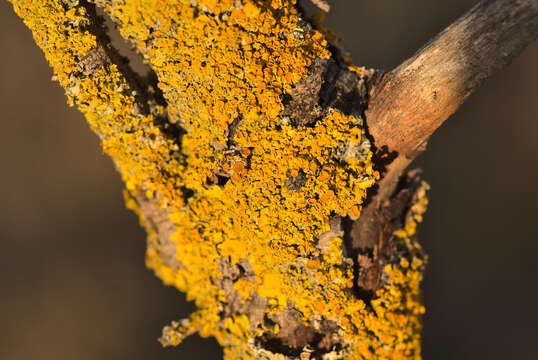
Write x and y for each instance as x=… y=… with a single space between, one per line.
x=223 y=67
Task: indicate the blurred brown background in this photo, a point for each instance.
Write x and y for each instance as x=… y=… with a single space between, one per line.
x=72 y=279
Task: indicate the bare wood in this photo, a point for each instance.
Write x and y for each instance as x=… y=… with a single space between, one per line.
x=409 y=103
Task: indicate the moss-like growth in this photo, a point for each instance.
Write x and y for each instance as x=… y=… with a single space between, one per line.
x=256 y=245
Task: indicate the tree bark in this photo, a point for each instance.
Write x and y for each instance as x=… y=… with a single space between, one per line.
x=249 y=161
x=409 y=103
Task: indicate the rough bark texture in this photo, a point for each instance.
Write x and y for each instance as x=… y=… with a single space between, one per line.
x=252 y=170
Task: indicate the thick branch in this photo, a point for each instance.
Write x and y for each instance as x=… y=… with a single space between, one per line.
x=409 y=103
x=250 y=249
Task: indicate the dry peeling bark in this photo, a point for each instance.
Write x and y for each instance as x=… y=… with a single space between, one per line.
x=349 y=255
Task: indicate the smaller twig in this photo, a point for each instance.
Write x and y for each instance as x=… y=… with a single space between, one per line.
x=410 y=102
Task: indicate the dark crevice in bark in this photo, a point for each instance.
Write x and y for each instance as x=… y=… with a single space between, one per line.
x=221 y=177
x=294 y=336
x=103 y=56
x=235 y=304
x=186 y=193
x=218 y=179
x=98 y=28
x=370 y=240
x=145 y=87
x=295 y=183
x=328 y=85
x=232 y=130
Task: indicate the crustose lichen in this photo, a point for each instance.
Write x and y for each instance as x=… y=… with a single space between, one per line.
x=249 y=196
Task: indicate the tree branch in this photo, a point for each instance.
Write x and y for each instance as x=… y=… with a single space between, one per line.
x=260 y=252
x=409 y=103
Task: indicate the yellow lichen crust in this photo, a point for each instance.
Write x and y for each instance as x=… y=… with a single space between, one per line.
x=223 y=67
x=102 y=93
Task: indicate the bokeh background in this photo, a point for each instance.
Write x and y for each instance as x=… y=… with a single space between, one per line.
x=72 y=279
